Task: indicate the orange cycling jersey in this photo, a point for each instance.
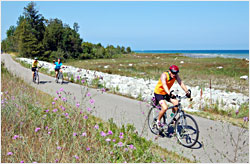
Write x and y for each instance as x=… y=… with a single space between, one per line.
x=159 y=87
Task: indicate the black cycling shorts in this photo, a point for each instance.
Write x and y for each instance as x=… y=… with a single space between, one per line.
x=159 y=97
x=33 y=69
x=57 y=70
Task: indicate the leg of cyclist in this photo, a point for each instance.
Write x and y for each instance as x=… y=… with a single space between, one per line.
x=56 y=71
x=174 y=110
x=174 y=102
x=33 y=73
x=164 y=108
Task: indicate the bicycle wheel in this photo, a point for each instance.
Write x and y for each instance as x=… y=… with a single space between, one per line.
x=37 y=78
x=61 y=78
x=187 y=131
x=152 y=118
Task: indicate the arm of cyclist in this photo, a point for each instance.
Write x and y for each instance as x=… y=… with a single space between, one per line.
x=164 y=84
x=183 y=86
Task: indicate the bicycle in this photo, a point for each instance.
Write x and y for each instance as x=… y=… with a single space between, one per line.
x=60 y=76
x=185 y=127
x=36 y=75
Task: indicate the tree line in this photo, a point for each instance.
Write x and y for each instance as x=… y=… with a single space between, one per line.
x=35 y=36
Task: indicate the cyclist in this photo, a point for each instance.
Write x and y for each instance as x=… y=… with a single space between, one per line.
x=58 y=66
x=162 y=90
x=35 y=64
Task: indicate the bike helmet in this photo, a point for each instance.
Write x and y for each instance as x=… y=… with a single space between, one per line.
x=174 y=69
x=35 y=58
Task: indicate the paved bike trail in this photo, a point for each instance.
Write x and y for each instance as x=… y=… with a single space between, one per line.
x=215 y=139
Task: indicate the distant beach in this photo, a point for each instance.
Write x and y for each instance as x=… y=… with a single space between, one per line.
x=241 y=54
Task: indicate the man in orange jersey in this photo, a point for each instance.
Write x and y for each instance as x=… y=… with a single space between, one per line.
x=162 y=90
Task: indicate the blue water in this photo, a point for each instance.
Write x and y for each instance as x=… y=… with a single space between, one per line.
x=241 y=54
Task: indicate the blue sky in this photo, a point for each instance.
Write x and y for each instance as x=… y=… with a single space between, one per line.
x=162 y=25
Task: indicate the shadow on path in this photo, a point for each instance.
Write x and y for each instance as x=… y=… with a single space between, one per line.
x=170 y=133
x=44 y=82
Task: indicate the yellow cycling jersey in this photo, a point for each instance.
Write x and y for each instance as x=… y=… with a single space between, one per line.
x=35 y=64
x=159 y=87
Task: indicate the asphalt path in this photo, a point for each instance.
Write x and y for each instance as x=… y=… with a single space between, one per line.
x=219 y=142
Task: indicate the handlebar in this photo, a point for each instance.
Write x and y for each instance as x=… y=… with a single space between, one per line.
x=181 y=97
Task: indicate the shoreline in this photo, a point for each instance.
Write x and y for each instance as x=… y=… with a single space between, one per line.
x=236 y=54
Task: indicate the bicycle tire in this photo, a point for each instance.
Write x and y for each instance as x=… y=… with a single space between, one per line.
x=61 y=78
x=37 y=79
x=181 y=127
x=152 y=118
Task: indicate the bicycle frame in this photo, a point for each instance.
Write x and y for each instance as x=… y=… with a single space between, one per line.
x=179 y=111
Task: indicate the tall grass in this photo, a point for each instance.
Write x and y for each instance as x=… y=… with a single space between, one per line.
x=36 y=127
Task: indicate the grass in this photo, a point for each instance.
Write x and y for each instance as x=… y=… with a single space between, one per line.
x=36 y=127
x=194 y=71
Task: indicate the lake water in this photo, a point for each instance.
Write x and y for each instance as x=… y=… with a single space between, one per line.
x=241 y=54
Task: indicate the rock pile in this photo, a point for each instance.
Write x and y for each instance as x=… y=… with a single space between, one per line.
x=143 y=89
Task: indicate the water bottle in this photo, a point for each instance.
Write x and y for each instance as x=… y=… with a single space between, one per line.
x=172 y=115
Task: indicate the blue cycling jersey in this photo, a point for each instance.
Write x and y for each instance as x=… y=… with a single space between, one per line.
x=58 y=65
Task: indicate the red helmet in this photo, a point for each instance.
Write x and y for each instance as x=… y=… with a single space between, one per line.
x=174 y=69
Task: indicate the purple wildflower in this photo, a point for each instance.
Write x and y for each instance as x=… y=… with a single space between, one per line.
x=114 y=140
x=37 y=129
x=88 y=94
x=49 y=132
x=81 y=112
x=92 y=101
x=103 y=90
x=58 y=148
x=120 y=144
x=89 y=109
x=55 y=99
x=77 y=105
x=63 y=108
x=57 y=160
x=57 y=92
x=85 y=117
x=125 y=149
x=83 y=81
x=78 y=77
x=103 y=134
x=84 y=134
x=61 y=90
x=110 y=132
x=47 y=110
x=64 y=99
x=88 y=149
x=76 y=157
x=53 y=103
x=9 y=153
x=132 y=147
x=96 y=126
x=245 y=119
x=66 y=114
x=121 y=135
x=108 y=140
x=55 y=110
x=237 y=112
x=15 y=137
x=74 y=134
x=22 y=162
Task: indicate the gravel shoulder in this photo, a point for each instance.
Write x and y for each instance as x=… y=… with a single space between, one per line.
x=216 y=138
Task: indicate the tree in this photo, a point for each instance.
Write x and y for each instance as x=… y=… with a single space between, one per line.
x=27 y=42
x=35 y=20
x=76 y=27
x=128 y=50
